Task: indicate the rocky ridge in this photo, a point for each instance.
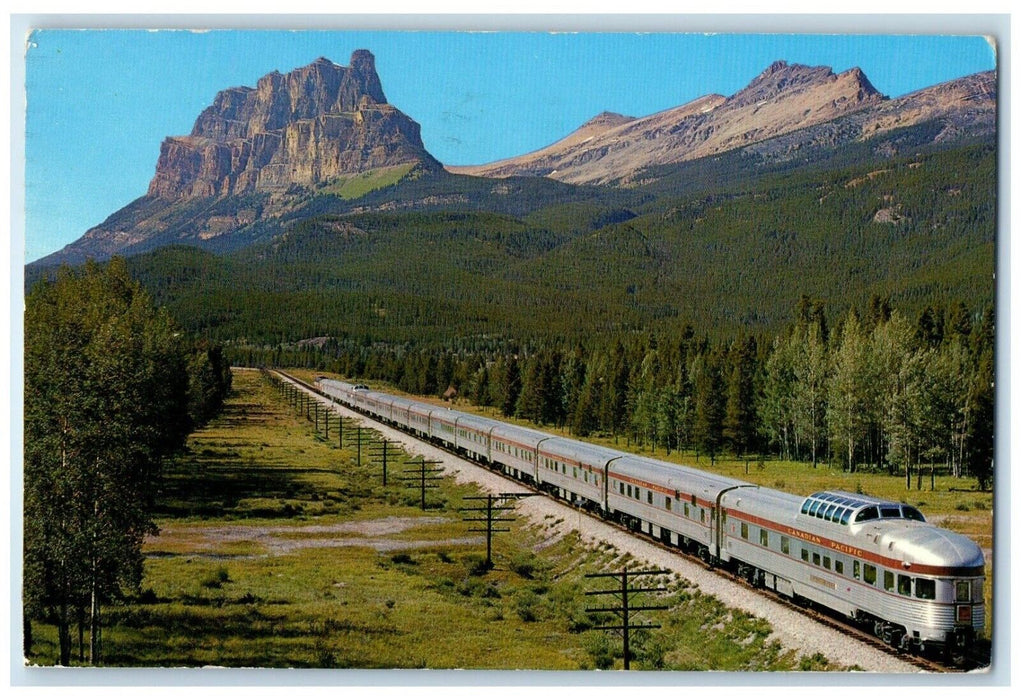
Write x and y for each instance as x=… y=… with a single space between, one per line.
x=305 y=127
x=784 y=100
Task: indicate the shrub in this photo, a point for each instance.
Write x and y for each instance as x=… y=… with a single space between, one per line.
x=602 y=651
x=477 y=566
x=815 y=662
x=526 y=605
x=216 y=579
x=523 y=564
x=474 y=588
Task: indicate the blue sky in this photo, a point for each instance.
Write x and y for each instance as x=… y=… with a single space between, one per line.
x=101 y=101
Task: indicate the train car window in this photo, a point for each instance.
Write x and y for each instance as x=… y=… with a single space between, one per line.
x=890 y=512
x=826 y=562
x=888 y=580
x=649 y=497
x=912 y=513
x=816 y=558
x=962 y=591
x=764 y=538
x=815 y=508
x=621 y=488
x=585 y=474
x=574 y=472
x=668 y=503
x=744 y=531
x=870 y=574
x=856 y=569
x=785 y=544
x=845 y=517
x=829 y=511
x=925 y=589
x=687 y=514
x=903 y=584
x=838 y=566
x=701 y=514
x=629 y=490
x=805 y=506
x=865 y=514
x=804 y=554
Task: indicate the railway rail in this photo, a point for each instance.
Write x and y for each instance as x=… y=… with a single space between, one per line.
x=976 y=659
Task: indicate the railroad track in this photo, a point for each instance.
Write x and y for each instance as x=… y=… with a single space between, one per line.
x=826 y=619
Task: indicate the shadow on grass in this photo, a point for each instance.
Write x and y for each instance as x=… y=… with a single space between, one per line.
x=212 y=487
x=249 y=631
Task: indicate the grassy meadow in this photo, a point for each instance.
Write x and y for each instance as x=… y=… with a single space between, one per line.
x=277 y=550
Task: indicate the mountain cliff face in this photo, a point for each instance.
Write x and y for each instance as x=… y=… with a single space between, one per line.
x=305 y=127
x=254 y=152
x=785 y=101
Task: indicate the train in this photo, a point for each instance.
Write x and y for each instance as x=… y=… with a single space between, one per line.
x=876 y=562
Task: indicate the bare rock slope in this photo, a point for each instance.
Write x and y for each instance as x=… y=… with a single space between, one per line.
x=784 y=100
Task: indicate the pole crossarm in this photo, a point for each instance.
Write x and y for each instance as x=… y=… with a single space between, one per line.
x=629 y=574
x=631 y=608
x=629 y=627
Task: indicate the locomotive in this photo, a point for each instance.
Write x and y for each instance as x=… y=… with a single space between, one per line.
x=877 y=562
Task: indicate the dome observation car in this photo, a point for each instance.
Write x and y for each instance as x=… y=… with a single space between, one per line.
x=843 y=508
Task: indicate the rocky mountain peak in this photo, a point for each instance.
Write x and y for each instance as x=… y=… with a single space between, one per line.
x=304 y=127
x=786 y=80
x=607 y=119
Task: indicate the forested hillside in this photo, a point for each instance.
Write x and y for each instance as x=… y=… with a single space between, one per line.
x=914 y=230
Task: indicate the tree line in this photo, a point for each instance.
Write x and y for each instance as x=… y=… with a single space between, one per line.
x=876 y=391
x=112 y=387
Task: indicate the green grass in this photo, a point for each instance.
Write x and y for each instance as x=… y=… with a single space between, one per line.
x=266 y=558
x=361 y=184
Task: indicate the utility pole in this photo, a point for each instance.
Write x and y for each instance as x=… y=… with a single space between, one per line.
x=386 y=450
x=358 y=441
x=625 y=608
x=424 y=475
x=496 y=504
